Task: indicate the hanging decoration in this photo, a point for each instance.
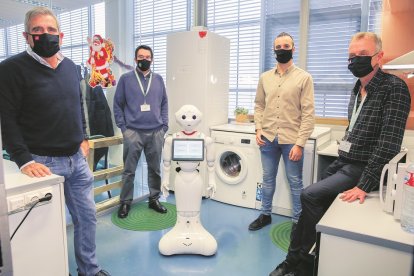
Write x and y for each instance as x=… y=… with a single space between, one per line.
x=100 y=56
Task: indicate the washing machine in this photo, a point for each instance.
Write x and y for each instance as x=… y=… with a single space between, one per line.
x=238 y=167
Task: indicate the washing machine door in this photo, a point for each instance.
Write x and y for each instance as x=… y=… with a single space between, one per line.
x=232 y=166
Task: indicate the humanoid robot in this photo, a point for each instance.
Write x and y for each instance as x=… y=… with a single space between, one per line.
x=188 y=236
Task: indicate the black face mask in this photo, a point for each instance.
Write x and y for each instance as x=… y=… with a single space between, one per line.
x=143 y=64
x=360 y=66
x=283 y=56
x=45 y=45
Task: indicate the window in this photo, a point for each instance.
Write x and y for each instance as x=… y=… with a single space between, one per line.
x=76 y=28
x=76 y=25
x=374 y=16
x=331 y=26
x=239 y=21
x=280 y=17
x=16 y=43
x=2 y=45
x=153 y=20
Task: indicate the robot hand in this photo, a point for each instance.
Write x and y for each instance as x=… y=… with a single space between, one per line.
x=165 y=188
x=211 y=188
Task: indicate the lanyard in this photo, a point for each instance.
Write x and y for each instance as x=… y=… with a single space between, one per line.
x=355 y=112
x=140 y=85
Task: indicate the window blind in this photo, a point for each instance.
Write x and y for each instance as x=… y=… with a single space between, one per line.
x=16 y=43
x=79 y=24
x=153 y=20
x=3 y=51
x=280 y=16
x=331 y=26
x=374 y=16
x=239 y=21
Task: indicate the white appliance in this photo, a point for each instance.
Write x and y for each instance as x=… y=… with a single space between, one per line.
x=239 y=169
x=391 y=187
x=39 y=246
x=238 y=166
x=198 y=74
x=5 y=249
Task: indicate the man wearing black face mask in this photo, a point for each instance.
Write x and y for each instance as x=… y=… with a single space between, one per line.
x=43 y=125
x=377 y=113
x=284 y=117
x=141 y=112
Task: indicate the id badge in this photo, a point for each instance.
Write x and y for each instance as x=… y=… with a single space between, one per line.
x=145 y=107
x=345 y=146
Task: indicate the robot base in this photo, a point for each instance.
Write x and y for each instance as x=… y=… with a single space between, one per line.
x=188 y=236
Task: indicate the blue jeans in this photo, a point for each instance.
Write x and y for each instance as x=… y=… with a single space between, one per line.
x=79 y=200
x=270 y=155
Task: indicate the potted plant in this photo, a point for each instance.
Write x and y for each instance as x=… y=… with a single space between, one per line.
x=241 y=114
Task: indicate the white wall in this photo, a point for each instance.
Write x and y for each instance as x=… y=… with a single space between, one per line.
x=119 y=28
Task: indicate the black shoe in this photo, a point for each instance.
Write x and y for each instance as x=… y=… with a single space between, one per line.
x=260 y=222
x=123 y=211
x=283 y=269
x=156 y=205
x=100 y=273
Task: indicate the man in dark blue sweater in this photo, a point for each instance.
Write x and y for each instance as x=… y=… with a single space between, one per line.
x=141 y=112
x=43 y=125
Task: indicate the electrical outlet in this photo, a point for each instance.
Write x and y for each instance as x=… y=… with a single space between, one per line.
x=31 y=197
x=16 y=203
x=46 y=191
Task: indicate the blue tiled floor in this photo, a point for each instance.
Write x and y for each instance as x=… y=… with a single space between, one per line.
x=240 y=251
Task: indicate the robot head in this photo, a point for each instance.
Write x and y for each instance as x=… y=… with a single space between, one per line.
x=188 y=116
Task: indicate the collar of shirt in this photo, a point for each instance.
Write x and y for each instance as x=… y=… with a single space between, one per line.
x=41 y=60
x=291 y=67
x=142 y=74
x=373 y=84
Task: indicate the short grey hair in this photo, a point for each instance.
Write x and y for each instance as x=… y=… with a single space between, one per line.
x=35 y=12
x=376 y=38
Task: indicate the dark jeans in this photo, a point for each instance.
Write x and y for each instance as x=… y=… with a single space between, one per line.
x=316 y=199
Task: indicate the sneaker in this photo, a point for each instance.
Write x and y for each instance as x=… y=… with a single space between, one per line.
x=283 y=269
x=260 y=222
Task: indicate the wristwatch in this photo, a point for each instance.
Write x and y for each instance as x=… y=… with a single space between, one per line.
x=85 y=137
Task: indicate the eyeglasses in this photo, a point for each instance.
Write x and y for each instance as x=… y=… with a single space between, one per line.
x=141 y=57
x=353 y=56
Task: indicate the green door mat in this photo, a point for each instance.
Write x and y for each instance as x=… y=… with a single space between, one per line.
x=142 y=218
x=280 y=235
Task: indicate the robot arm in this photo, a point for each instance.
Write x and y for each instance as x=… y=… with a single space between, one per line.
x=210 y=158
x=166 y=166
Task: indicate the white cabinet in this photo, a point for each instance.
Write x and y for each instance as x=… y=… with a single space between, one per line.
x=360 y=240
x=39 y=246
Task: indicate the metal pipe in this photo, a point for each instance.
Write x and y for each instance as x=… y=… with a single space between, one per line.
x=200 y=13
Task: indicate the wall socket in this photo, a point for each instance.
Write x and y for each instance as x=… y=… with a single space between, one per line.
x=24 y=201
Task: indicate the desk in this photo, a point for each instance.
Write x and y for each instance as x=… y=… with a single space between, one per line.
x=362 y=240
x=39 y=246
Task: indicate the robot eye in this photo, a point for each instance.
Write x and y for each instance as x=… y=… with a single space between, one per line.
x=183 y=117
x=194 y=117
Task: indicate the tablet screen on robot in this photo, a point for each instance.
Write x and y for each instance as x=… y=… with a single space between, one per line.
x=187 y=149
